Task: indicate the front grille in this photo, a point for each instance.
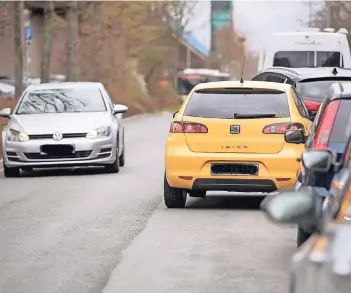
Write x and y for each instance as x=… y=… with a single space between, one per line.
x=39 y=156
x=49 y=136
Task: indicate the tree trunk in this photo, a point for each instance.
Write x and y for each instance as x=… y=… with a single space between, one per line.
x=17 y=32
x=72 y=42
x=47 y=42
x=97 y=45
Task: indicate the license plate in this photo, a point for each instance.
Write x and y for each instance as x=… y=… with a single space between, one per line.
x=234 y=169
x=57 y=150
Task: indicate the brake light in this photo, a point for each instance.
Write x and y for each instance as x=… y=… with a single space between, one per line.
x=281 y=128
x=324 y=130
x=312 y=105
x=188 y=127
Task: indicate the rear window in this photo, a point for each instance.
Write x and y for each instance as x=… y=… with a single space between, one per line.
x=295 y=59
x=342 y=118
x=224 y=104
x=316 y=89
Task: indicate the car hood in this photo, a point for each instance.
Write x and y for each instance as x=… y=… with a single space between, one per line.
x=62 y=122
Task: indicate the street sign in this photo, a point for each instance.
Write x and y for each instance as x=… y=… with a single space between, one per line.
x=29 y=33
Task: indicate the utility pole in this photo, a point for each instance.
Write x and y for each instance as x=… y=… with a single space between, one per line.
x=310 y=13
x=329 y=8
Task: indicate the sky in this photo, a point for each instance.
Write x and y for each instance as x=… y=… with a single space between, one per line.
x=254 y=18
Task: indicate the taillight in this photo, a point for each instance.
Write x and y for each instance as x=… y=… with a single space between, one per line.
x=281 y=128
x=327 y=122
x=188 y=127
x=312 y=105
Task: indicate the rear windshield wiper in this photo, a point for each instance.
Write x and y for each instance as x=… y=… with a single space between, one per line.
x=247 y=116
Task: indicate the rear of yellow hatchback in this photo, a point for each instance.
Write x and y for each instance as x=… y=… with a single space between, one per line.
x=229 y=136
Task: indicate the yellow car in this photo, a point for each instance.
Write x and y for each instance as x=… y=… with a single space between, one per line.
x=229 y=136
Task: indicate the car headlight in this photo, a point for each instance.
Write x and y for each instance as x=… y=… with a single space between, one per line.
x=14 y=135
x=99 y=132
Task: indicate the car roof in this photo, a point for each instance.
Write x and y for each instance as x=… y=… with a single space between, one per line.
x=245 y=84
x=64 y=85
x=303 y=73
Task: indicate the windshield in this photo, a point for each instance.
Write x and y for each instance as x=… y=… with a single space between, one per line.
x=296 y=59
x=225 y=105
x=74 y=100
x=315 y=90
x=186 y=85
x=188 y=82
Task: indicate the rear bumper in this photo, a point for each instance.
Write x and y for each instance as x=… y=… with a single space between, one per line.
x=276 y=171
x=239 y=185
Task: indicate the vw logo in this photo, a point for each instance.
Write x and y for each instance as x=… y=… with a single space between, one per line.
x=57 y=136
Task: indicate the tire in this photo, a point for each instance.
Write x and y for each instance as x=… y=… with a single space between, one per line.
x=11 y=172
x=122 y=159
x=302 y=236
x=175 y=198
x=197 y=193
x=114 y=167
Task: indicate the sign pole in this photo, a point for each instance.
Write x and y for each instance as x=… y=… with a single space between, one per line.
x=29 y=37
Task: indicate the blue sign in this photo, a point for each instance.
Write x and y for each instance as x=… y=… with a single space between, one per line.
x=29 y=33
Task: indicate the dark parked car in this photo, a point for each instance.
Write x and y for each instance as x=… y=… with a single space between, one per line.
x=322 y=264
x=311 y=83
x=330 y=130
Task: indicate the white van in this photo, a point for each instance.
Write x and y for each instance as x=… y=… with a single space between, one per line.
x=308 y=48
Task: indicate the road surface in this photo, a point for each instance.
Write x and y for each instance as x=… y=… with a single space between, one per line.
x=88 y=232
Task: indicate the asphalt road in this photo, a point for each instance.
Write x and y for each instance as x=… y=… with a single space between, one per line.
x=88 y=232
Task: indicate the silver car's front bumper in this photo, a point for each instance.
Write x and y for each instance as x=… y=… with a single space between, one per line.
x=88 y=152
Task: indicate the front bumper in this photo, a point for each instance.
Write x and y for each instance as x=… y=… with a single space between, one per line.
x=88 y=152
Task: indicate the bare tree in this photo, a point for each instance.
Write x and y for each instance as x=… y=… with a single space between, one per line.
x=47 y=42
x=97 y=32
x=17 y=16
x=72 y=42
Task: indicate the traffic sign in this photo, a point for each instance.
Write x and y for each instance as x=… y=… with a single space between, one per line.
x=29 y=33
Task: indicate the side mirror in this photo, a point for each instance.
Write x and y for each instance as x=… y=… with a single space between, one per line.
x=6 y=113
x=291 y=207
x=294 y=136
x=318 y=160
x=175 y=113
x=119 y=109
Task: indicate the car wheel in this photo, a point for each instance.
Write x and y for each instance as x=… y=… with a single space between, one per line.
x=114 y=167
x=122 y=159
x=175 y=198
x=11 y=172
x=197 y=193
x=302 y=236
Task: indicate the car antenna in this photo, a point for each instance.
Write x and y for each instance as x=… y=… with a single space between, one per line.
x=242 y=70
x=334 y=71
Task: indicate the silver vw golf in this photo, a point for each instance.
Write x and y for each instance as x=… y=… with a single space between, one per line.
x=63 y=125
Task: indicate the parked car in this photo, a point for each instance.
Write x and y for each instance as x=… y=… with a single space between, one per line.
x=323 y=263
x=312 y=84
x=67 y=124
x=229 y=135
x=328 y=132
x=7 y=91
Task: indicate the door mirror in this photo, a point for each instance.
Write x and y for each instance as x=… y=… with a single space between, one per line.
x=6 y=113
x=119 y=109
x=294 y=136
x=175 y=113
x=291 y=207
x=318 y=160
